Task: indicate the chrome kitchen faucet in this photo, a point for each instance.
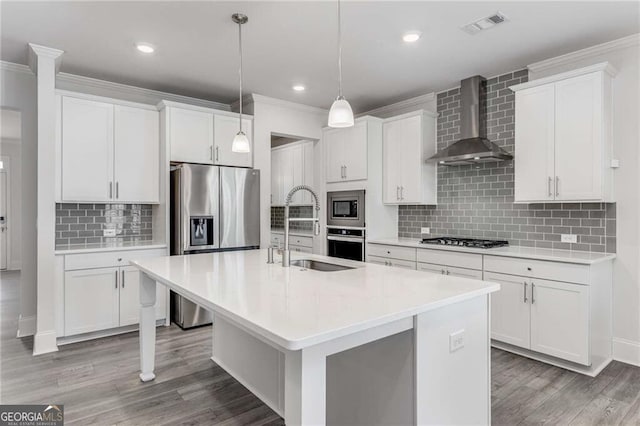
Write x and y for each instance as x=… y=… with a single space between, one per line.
x=286 y=254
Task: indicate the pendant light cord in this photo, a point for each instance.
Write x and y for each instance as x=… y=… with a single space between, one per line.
x=339 y=52
x=240 y=51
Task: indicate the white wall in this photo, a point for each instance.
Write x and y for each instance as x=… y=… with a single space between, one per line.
x=10 y=150
x=624 y=56
x=18 y=92
x=282 y=118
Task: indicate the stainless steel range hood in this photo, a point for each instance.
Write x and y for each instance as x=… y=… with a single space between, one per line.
x=473 y=147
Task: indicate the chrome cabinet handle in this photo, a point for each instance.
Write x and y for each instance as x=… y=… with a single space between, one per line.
x=448 y=272
x=110 y=189
x=345 y=172
x=217 y=154
x=525 y=292
x=122 y=284
x=557 y=186
x=402 y=192
x=442 y=271
x=117 y=189
x=549 y=185
x=397 y=192
x=211 y=152
x=533 y=286
x=116 y=279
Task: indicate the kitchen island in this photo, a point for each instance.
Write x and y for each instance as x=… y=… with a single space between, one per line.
x=367 y=345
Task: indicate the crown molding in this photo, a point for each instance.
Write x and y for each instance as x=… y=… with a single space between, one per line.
x=13 y=67
x=621 y=43
x=605 y=67
x=256 y=98
x=402 y=105
x=36 y=51
x=127 y=90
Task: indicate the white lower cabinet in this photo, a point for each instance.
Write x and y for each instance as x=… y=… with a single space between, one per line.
x=510 y=312
x=298 y=243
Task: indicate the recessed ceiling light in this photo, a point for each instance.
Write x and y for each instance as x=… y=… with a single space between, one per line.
x=476 y=158
x=299 y=88
x=412 y=36
x=145 y=48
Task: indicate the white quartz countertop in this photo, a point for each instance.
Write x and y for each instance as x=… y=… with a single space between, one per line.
x=296 y=308
x=566 y=256
x=108 y=246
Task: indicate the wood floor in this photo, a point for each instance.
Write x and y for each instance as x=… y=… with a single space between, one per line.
x=98 y=383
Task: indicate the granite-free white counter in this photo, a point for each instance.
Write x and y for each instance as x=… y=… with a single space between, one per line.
x=566 y=256
x=297 y=308
x=106 y=247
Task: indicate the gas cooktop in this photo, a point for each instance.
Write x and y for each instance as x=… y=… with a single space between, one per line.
x=465 y=242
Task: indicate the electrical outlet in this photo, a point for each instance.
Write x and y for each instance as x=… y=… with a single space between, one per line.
x=569 y=238
x=109 y=232
x=425 y=230
x=456 y=340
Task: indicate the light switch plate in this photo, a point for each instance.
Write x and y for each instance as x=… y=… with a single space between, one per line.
x=569 y=238
x=425 y=230
x=109 y=232
x=456 y=340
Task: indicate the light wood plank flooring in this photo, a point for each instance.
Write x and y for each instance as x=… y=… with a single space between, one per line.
x=98 y=383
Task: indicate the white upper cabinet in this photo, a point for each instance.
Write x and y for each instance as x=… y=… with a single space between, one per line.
x=225 y=129
x=190 y=135
x=137 y=155
x=109 y=152
x=408 y=141
x=291 y=165
x=346 y=152
x=205 y=136
x=563 y=137
x=87 y=150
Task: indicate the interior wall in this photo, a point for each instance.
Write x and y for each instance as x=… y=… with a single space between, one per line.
x=10 y=149
x=281 y=118
x=625 y=57
x=18 y=92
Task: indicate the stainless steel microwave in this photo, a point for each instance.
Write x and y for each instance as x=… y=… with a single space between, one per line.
x=345 y=208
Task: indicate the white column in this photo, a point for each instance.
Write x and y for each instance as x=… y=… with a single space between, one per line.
x=305 y=387
x=147 y=327
x=44 y=62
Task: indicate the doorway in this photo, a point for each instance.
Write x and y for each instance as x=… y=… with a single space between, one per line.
x=4 y=197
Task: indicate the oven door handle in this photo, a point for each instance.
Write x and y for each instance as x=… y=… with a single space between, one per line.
x=348 y=239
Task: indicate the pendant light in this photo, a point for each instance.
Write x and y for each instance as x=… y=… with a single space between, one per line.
x=240 y=141
x=340 y=114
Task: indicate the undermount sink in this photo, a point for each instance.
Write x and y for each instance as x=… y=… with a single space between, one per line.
x=316 y=265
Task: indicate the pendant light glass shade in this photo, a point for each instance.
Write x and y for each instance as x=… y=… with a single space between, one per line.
x=340 y=114
x=241 y=143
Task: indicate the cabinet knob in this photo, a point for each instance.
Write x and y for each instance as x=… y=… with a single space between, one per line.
x=528 y=268
x=119 y=259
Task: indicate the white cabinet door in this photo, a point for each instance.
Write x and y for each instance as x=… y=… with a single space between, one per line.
x=90 y=300
x=276 y=185
x=308 y=171
x=297 y=172
x=190 y=135
x=286 y=173
x=334 y=141
x=354 y=152
x=578 y=138
x=136 y=155
x=510 y=308
x=410 y=165
x=224 y=130
x=560 y=320
x=534 y=148
x=130 y=297
x=87 y=150
x=391 y=161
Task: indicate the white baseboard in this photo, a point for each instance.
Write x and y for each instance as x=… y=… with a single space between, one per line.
x=26 y=326
x=626 y=351
x=44 y=342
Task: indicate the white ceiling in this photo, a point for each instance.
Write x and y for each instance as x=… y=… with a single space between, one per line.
x=295 y=42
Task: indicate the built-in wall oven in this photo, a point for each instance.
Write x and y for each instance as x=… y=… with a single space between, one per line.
x=346 y=224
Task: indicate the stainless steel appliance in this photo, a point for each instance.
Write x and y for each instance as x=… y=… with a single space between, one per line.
x=465 y=242
x=473 y=146
x=346 y=209
x=346 y=243
x=212 y=209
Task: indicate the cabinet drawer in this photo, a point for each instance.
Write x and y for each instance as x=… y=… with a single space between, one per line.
x=301 y=249
x=301 y=241
x=392 y=262
x=450 y=270
x=556 y=271
x=450 y=258
x=107 y=259
x=392 y=252
x=277 y=239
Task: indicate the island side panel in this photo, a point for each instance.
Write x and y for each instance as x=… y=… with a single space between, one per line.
x=453 y=385
x=147 y=327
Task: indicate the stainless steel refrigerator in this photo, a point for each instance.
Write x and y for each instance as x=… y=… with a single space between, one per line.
x=213 y=208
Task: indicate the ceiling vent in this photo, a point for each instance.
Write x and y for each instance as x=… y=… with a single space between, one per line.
x=474 y=28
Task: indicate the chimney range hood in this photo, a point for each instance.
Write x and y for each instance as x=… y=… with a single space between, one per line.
x=473 y=147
